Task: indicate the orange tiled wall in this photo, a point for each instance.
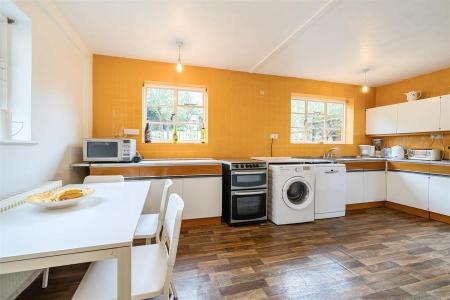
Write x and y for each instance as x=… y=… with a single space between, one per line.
x=432 y=84
x=241 y=116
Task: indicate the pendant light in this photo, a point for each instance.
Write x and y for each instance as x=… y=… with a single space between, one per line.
x=179 y=66
x=365 y=87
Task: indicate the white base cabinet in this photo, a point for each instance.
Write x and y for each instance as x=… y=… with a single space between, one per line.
x=374 y=186
x=355 y=187
x=439 y=194
x=408 y=189
x=366 y=186
x=202 y=196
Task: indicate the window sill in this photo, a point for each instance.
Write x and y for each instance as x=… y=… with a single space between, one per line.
x=17 y=142
x=179 y=143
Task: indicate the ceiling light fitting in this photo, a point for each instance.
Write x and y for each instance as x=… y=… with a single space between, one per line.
x=365 y=87
x=179 y=66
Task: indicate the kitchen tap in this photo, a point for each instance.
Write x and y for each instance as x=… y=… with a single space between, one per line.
x=330 y=154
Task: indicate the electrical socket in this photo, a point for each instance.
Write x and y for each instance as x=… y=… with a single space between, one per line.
x=437 y=136
x=274 y=136
x=130 y=131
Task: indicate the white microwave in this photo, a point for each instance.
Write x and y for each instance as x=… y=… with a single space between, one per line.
x=109 y=150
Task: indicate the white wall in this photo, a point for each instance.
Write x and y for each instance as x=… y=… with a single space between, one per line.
x=61 y=95
x=60 y=111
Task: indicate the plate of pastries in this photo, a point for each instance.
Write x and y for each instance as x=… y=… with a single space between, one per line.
x=60 y=198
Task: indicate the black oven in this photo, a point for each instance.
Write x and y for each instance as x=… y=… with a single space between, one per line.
x=244 y=196
x=249 y=179
x=248 y=205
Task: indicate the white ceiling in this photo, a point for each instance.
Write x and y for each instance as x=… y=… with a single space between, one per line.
x=333 y=40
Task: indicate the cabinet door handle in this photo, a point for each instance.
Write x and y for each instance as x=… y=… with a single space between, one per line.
x=332 y=172
x=248 y=193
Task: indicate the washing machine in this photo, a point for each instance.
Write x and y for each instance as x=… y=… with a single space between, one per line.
x=291 y=194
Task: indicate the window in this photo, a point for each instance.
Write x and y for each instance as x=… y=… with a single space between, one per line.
x=315 y=120
x=175 y=111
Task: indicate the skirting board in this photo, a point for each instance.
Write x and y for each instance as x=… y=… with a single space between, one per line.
x=202 y=221
x=439 y=217
x=356 y=206
x=408 y=209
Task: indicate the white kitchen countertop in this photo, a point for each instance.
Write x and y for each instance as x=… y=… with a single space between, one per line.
x=154 y=162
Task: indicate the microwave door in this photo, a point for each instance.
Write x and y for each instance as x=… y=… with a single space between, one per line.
x=103 y=150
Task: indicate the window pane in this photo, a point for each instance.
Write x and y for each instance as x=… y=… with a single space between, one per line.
x=297 y=120
x=335 y=129
x=190 y=114
x=316 y=107
x=161 y=132
x=189 y=132
x=159 y=104
x=315 y=126
x=297 y=106
x=190 y=98
x=297 y=135
x=335 y=109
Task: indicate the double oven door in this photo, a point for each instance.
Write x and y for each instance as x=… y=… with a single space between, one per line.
x=248 y=196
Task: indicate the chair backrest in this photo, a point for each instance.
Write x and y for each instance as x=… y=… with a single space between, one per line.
x=172 y=226
x=103 y=179
x=162 y=207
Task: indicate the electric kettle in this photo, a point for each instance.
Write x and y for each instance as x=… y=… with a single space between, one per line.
x=398 y=152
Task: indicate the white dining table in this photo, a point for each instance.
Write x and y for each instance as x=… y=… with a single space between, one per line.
x=99 y=227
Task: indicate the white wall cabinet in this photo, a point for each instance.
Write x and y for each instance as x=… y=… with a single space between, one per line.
x=366 y=186
x=444 y=124
x=382 y=119
x=408 y=189
x=355 y=187
x=202 y=196
x=439 y=194
x=419 y=116
x=374 y=186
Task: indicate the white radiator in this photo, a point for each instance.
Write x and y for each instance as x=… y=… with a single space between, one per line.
x=11 y=285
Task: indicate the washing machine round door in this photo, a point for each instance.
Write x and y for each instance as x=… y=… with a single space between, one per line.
x=297 y=193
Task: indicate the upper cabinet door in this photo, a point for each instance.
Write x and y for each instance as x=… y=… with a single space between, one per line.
x=381 y=120
x=419 y=116
x=445 y=113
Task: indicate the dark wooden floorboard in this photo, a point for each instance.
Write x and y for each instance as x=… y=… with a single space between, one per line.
x=369 y=254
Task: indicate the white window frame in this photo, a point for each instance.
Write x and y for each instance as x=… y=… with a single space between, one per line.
x=176 y=89
x=4 y=60
x=324 y=100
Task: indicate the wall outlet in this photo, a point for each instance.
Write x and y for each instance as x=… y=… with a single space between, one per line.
x=130 y=131
x=437 y=136
x=274 y=136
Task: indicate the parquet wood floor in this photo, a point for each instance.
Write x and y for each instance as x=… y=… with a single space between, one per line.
x=376 y=253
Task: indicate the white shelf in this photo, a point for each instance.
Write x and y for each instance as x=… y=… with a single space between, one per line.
x=17 y=142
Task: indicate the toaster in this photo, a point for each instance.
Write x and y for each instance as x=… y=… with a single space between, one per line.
x=424 y=154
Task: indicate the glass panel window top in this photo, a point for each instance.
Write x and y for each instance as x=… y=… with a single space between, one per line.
x=297 y=106
x=190 y=98
x=190 y=114
x=160 y=104
x=316 y=107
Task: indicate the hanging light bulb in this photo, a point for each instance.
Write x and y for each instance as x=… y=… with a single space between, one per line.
x=179 y=66
x=365 y=87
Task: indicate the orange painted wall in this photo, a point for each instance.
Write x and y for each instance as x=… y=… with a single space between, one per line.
x=240 y=117
x=432 y=84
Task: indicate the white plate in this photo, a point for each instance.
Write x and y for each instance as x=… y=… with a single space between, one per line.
x=62 y=203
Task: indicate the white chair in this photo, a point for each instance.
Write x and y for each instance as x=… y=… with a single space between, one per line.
x=151 y=265
x=87 y=179
x=103 y=179
x=149 y=225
